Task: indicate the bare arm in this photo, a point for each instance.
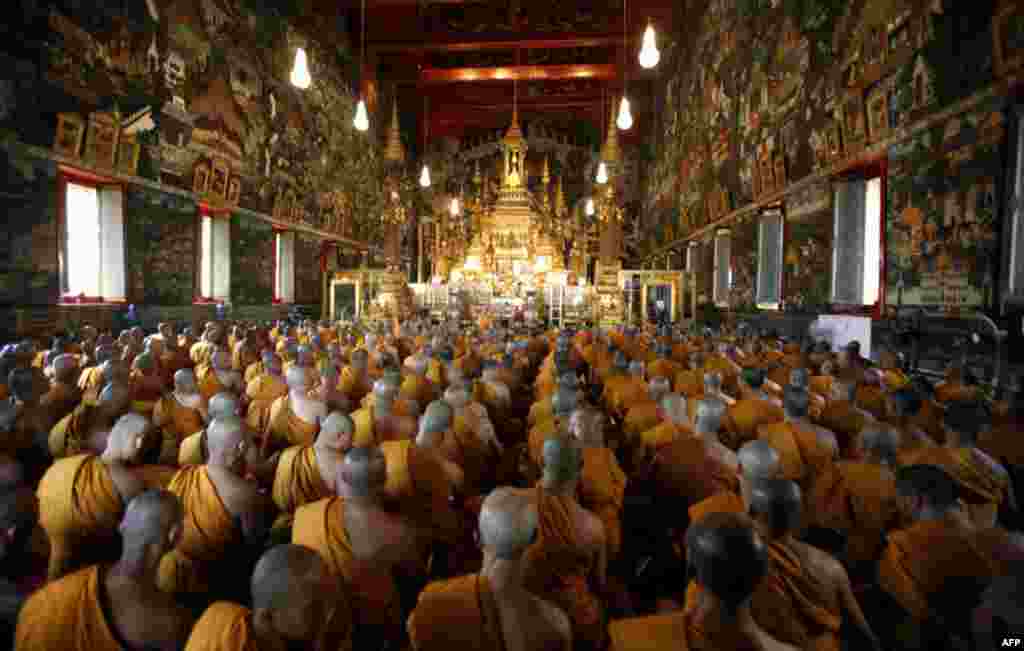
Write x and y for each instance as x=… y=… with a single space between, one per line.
x=849 y=603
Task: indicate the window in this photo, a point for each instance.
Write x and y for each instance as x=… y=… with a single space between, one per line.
x=1015 y=271
x=723 y=268
x=769 y=260
x=857 y=247
x=215 y=260
x=94 y=243
x=284 y=277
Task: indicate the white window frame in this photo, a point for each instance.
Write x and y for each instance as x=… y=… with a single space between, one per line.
x=865 y=263
x=1014 y=233
x=100 y=275
x=763 y=272
x=691 y=257
x=215 y=257
x=284 y=269
x=720 y=294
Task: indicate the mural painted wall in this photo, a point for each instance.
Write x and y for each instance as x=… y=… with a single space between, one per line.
x=253 y=258
x=160 y=248
x=308 y=283
x=767 y=92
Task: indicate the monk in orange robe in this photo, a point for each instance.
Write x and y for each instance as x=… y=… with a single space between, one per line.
x=690 y=382
x=841 y=415
x=85 y=428
x=940 y=547
x=64 y=394
x=218 y=377
x=755 y=461
x=902 y=412
x=602 y=486
x=805 y=451
x=355 y=380
x=294 y=418
x=858 y=497
x=179 y=414
x=645 y=415
x=289 y=584
x=753 y=409
x=222 y=511
x=262 y=390
x=419 y=487
x=481 y=612
x=626 y=391
x=982 y=482
x=81 y=498
x=663 y=366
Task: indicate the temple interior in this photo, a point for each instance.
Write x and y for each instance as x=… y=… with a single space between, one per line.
x=424 y=325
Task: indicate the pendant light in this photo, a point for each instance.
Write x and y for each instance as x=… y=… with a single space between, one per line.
x=588 y=210
x=425 y=176
x=625 y=119
x=425 y=173
x=602 y=173
x=300 y=71
x=649 y=54
x=454 y=208
x=361 y=121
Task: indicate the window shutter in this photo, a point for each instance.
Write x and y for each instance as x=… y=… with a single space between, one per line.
x=286 y=267
x=112 y=282
x=1015 y=273
x=723 y=268
x=769 y=259
x=222 y=258
x=848 y=243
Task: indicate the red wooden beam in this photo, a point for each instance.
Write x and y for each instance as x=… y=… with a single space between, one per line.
x=510 y=73
x=539 y=41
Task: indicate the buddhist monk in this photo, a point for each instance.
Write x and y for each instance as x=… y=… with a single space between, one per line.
x=493 y=609
x=86 y=428
x=262 y=390
x=756 y=460
x=82 y=497
x=728 y=561
x=567 y=563
x=805 y=450
x=218 y=376
x=416 y=386
x=541 y=410
x=754 y=408
x=858 y=498
x=644 y=415
x=327 y=390
x=364 y=544
x=806 y=592
x=294 y=602
x=712 y=390
x=379 y=421
x=602 y=481
x=563 y=403
x=982 y=482
x=306 y=473
x=194 y=450
x=117 y=606
x=841 y=415
x=203 y=350
x=476 y=448
x=904 y=406
x=91 y=380
x=940 y=551
x=27 y=420
x=622 y=395
x=294 y=418
x=663 y=366
x=179 y=414
x=226 y=518
x=64 y=394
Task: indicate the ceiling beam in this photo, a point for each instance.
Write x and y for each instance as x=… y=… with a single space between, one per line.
x=537 y=41
x=519 y=73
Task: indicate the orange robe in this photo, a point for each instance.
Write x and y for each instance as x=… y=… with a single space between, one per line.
x=620 y=396
x=640 y=418
x=459 y=613
x=179 y=421
x=262 y=391
x=297 y=481
x=843 y=419
x=224 y=626
x=954 y=392
x=559 y=569
x=919 y=559
x=145 y=391
x=418 y=389
x=70 y=435
x=663 y=434
x=374 y=596
x=858 y=499
x=872 y=399
x=665 y=368
x=284 y=427
x=676 y=632
x=59 y=401
x=685 y=470
x=67 y=614
x=538 y=435
x=689 y=383
x=540 y=411
x=201 y=352
x=801 y=456
x=602 y=489
x=80 y=509
x=982 y=487
x=208 y=382
x=723 y=502
x=789 y=602
x=209 y=534
x=745 y=416
x=473 y=455
x=418 y=487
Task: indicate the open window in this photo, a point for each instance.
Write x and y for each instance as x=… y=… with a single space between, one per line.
x=723 y=268
x=215 y=258
x=284 y=271
x=1014 y=293
x=93 y=267
x=857 y=242
x=769 y=260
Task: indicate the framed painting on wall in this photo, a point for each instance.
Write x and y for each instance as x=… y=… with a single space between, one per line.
x=101 y=139
x=877 y=107
x=854 y=127
x=70 y=132
x=128 y=154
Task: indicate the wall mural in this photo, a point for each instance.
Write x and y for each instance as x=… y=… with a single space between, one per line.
x=768 y=92
x=253 y=257
x=160 y=247
x=308 y=284
x=743 y=247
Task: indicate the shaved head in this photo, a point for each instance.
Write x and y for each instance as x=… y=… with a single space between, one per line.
x=283 y=573
x=437 y=418
x=563 y=459
x=674 y=407
x=185 y=381
x=776 y=504
x=587 y=425
x=658 y=388
x=223 y=405
x=127 y=437
x=337 y=431
x=563 y=402
x=364 y=471
x=930 y=483
x=150 y=518
x=457 y=396
x=143 y=362
x=727 y=556
x=709 y=416
x=796 y=402
x=298 y=379
x=508 y=523
x=115 y=396
x=224 y=435
x=65 y=367
x=880 y=443
x=712 y=382
x=799 y=378
x=758 y=460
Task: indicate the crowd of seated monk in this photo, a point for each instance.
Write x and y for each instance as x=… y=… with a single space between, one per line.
x=266 y=487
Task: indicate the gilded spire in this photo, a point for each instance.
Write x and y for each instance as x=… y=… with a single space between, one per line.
x=559 y=196
x=546 y=179
x=610 y=151
x=514 y=135
x=394 y=151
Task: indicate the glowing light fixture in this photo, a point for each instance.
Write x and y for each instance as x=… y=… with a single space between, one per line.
x=602 y=173
x=361 y=121
x=625 y=119
x=425 y=177
x=300 y=71
x=649 y=54
x=454 y=209
x=589 y=208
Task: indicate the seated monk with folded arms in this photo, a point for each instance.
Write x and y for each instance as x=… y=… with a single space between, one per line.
x=493 y=609
x=114 y=606
x=294 y=418
x=262 y=390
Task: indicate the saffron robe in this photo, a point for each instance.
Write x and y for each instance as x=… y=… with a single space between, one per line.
x=802 y=457
x=262 y=391
x=418 y=487
x=983 y=485
x=297 y=481
x=180 y=422
x=59 y=401
x=844 y=420
x=640 y=418
x=459 y=613
x=745 y=416
x=285 y=428
x=70 y=436
x=67 y=614
x=602 y=489
x=675 y=632
x=208 y=383
x=80 y=510
x=224 y=626
x=722 y=502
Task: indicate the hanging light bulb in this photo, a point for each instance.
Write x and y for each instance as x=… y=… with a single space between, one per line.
x=300 y=71
x=425 y=177
x=602 y=173
x=589 y=208
x=625 y=119
x=455 y=207
x=649 y=54
x=361 y=121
